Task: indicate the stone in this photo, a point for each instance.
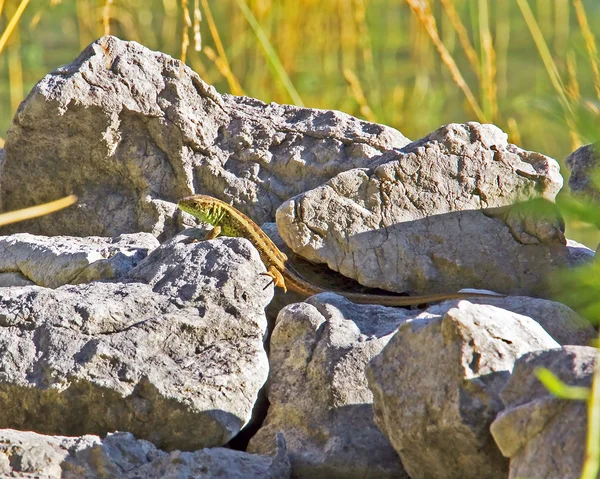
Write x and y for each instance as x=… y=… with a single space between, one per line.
x=120 y=455
x=318 y=392
x=563 y=324
x=54 y=261
x=436 y=387
x=172 y=353
x=583 y=164
x=144 y=131
x=411 y=222
x=542 y=435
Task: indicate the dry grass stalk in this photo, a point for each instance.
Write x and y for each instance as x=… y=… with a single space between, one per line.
x=572 y=87
x=463 y=35
x=35 y=211
x=545 y=54
x=358 y=94
x=185 y=37
x=488 y=76
x=425 y=17
x=197 y=20
x=106 y=16
x=590 y=43
x=12 y=24
x=225 y=69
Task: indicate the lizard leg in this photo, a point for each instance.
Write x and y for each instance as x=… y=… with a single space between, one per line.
x=212 y=234
x=276 y=278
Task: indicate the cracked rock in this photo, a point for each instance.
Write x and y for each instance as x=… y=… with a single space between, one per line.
x=318 y=391
x=436 y=387
x=54 y=261
x=438 y=215
x=583 y=164
x=172 y=353
x=145 y=131
x=542 y=435
x=30 y=455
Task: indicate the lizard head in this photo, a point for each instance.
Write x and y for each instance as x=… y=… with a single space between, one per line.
x=205 y=208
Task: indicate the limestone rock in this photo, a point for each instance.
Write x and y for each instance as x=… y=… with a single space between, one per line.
x=436 y=388
x=30 y=455
x=144 y=131
x=410 y=221
x=563 y=324
x=583 y=163
x=173 y=354
x=318 y=391
x=542 y=435
x=54 y=261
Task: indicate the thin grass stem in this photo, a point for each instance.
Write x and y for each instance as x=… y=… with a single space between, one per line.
x=12 y=23
x=234 y=85
x=428 y=22
x=270 y=53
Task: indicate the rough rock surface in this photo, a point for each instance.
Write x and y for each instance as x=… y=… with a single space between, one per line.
x=318 y=391
x=55 y=261
x=436 y=388
x=409 y=222
x=144 y=130
x=583 y=164
x=559 y=321
x=29 y=455
x=542 y=435
x=174 y=354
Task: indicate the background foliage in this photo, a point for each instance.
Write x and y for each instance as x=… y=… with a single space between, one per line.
x=530 y=66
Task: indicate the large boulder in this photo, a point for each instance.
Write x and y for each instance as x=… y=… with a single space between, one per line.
x=318 y=392
x=130 y=131
x=173 y=352
x=436 y=388
x=542 y=435
x=414 y=220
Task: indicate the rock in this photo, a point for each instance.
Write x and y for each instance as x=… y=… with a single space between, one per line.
x=436 y=388
x=580 y=254
x=55 y=261
x=144 y=131
x=542 y=435
x=563 y=324
x=173 y=354
x=410 y=221
x=120 y=455
x=318 y=391
x=583 y=164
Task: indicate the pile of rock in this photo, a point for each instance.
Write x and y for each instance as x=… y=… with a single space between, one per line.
x=104 y=329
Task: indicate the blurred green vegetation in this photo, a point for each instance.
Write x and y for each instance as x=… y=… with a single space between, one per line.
x=389 y=61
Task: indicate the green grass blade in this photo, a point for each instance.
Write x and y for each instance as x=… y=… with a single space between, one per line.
x=270 y=53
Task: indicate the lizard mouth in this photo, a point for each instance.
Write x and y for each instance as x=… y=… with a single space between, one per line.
x=199 y=206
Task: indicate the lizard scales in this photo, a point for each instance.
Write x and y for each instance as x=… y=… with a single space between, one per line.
x=228 y=221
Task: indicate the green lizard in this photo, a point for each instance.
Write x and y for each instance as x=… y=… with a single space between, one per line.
x=228 y=221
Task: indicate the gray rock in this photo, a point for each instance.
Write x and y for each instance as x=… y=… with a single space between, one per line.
x=408 y=223
x=173 y=355
x=544 y=436
x=583 y=163
x=318 y=391
x=559 y=321
x=120 y=455
x=436 y=388
x=144 y=130
x=55 y=261
x=580 y=253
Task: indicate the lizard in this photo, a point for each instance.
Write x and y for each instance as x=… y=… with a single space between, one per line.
x=228 y=221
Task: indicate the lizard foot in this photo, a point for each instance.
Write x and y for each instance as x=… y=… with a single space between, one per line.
x=212 y=234
x=276 y=278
